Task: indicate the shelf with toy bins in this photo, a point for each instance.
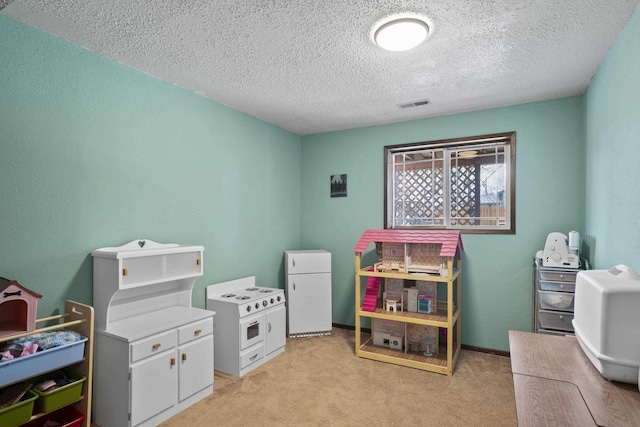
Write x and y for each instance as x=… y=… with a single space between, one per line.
x=72 y=401
x=412 y=296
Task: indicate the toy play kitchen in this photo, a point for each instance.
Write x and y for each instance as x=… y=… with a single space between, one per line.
x=154 y=351
x=250 y=324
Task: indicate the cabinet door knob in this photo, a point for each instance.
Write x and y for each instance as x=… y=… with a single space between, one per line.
x=198 y=261
x=173 y=361
x=156 y=346
x=197 y=331
x=184 y=356
x=125 y=271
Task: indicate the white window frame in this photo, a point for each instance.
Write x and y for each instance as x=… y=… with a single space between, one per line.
x=446 y=150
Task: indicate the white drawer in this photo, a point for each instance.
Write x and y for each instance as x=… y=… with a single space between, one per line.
x=556 y=300
x=251 y=356
x=555 y=320
x=195 y=330
x=558 y=276
x=153 y=345
x=557 y=286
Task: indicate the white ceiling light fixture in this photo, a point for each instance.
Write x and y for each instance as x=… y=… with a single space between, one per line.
x=401 y=34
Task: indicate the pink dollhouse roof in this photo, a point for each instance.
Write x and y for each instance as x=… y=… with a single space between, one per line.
x=5 y=283
x=450 y=239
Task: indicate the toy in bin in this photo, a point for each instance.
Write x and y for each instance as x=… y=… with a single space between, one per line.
x=12 y=394
x=426 y=303
x=16 y=404
x=65 y=417
x=57 y=389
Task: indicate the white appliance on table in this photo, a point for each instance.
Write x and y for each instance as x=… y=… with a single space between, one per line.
x=308 y=290
x=561 y=251
x=153 y=354
x=250 y=325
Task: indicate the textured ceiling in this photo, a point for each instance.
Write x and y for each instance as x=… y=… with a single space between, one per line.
x=311 y=66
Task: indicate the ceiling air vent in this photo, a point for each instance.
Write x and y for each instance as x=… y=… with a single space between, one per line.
x=4 y=3
x=414 y=104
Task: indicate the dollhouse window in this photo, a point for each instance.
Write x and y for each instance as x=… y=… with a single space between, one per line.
x=463 y=184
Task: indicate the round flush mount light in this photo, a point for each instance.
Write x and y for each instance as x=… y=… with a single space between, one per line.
x=401 y=34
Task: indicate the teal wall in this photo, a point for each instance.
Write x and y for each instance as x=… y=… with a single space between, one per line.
x=612 y=117
x=94 y=154
x=497 y=269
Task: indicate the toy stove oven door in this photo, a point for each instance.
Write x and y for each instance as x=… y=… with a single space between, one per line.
x=252 y=329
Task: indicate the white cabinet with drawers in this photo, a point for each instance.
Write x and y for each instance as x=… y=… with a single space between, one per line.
x=153 y=350
x=553 y=297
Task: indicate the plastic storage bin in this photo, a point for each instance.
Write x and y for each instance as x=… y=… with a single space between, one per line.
x=49 y=401
x=558 y=286
x=43 y=361
x=66 y=417
x=18 y=413
x=555 y=320
x=555 y=300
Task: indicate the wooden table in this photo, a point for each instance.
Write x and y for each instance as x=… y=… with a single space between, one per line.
x=556 y=385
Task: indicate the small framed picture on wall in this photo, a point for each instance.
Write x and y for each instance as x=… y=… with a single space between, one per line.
x=339 y=185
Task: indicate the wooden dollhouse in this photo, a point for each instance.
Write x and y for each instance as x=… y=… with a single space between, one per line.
x=18 y=308
x=424 y=331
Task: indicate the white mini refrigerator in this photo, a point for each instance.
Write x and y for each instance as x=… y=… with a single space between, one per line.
x=308 y=292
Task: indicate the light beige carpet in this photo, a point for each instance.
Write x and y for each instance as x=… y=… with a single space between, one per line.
x=319 y=381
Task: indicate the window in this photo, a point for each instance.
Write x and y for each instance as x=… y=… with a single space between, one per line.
x=464 y=184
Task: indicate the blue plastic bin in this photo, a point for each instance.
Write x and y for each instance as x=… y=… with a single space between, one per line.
x=20 y=368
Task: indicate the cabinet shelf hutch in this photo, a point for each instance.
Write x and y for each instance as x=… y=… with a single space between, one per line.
x=154 y=351
x=412 y=323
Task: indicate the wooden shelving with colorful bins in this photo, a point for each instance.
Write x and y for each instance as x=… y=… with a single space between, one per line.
x=412 y=297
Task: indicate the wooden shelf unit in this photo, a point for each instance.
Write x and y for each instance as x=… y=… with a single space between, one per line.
x=78 y=318
x=447 y=315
